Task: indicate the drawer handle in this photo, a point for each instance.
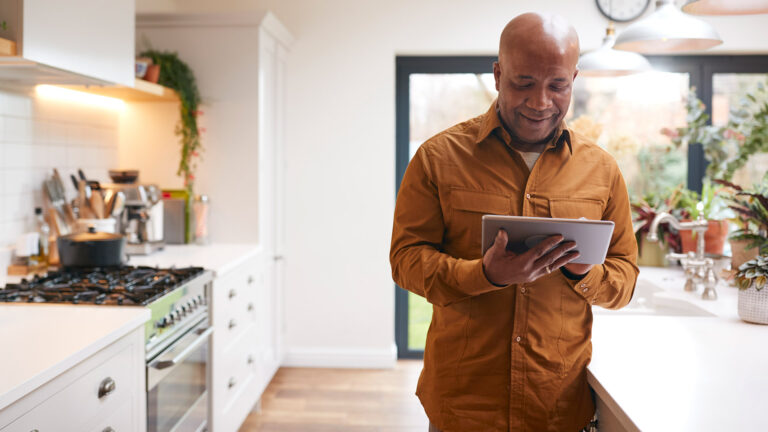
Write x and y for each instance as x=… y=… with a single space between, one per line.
x=250 y=307
x=250 y=280
x=232 y=293
x=231 y=382
x=106 y=387
x=250 y=360
x=108 y=429
x=232 y=324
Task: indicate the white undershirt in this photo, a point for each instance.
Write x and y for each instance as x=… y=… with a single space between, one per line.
x=530 y=158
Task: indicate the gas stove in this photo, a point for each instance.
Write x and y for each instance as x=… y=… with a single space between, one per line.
x=176 y=297
x=111 y=286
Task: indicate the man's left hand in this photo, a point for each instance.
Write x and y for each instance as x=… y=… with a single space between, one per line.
x=579 y=269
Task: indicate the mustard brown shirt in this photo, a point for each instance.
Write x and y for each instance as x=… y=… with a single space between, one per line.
x=508 y=358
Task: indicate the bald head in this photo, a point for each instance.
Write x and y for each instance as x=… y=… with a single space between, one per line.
x=539 y=33
x=538 y=54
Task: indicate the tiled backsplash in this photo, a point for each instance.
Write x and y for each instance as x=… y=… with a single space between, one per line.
x=37 y=135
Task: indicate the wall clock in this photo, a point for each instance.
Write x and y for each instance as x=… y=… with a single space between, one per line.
x=622 y=10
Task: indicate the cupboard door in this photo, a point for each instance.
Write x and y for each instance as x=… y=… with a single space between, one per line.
x=90 y=37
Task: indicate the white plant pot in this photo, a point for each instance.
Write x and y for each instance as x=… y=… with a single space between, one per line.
x=753 y=305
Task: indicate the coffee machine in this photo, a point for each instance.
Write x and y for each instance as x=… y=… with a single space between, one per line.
x=141 y=221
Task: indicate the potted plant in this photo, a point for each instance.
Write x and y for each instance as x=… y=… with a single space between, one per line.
x=644 y=211
x=751 y=216
x=753 y=300
x=713 y=207
x=176 y=75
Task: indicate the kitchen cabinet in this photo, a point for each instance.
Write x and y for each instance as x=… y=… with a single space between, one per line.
x=245 y=354
x=106 y=390
x=82 y=42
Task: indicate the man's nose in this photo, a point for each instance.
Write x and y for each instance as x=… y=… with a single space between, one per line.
x=539 y=100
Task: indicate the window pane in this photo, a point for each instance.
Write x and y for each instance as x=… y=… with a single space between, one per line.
x=439 y=101
x=626 y=115
x=727 y=92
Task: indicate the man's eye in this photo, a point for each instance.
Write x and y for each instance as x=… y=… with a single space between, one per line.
x=524 y=86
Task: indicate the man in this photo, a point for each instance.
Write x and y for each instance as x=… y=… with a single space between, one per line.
x=509 y=341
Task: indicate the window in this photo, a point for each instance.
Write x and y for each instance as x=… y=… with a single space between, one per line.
x=434 y=93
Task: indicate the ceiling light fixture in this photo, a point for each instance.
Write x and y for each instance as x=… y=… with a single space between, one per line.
x=726 y=7
x=667 y=30
x=606 y=61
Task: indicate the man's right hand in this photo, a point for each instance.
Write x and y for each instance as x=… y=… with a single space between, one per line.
x=503 y=267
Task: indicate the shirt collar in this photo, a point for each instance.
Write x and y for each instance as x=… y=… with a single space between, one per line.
x=491 y=123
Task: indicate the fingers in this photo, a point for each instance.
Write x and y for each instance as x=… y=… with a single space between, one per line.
x=542 y=248
x=556 y=258
x=500 y=241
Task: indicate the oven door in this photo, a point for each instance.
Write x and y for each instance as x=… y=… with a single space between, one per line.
x=177 y=383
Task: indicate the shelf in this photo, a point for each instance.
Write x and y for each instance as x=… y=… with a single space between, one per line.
x=143 y=91
x=7 y=47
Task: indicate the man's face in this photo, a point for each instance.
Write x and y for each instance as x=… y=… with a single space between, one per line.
x=534 y=92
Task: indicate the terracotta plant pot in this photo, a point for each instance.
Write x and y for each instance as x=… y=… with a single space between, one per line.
x=153 y=73
x=714 y=238
x=740 y=253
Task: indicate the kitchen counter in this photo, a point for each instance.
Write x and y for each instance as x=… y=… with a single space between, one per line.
x=682 y=373
x=219 y=257
x=41 y=341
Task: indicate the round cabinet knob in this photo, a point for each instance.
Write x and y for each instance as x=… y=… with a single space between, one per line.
x=232 y=293
x=250 y=360
x=231 y=382
x=108 y=429
x=250 y=307
x=250 y=280
x=232 y=324
x=106 y=387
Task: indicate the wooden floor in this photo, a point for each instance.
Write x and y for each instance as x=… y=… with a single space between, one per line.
x=341 y=400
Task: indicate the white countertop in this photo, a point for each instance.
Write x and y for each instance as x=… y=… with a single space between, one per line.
x=683 y=373
x=41 y=341
x=218 y=257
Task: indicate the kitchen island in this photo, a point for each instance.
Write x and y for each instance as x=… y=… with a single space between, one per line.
x=680 y=363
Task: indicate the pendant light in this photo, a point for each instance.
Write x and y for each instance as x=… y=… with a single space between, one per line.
x=726 y=7
x=667 y=30
x=606 y=61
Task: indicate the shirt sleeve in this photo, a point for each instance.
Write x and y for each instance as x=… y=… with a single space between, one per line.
x=418 y=265
x=612 y=283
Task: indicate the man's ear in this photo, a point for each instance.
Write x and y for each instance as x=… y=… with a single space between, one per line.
x=496 y=73
x=575 y=72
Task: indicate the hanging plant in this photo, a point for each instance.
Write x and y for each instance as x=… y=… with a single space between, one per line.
x=175 y=74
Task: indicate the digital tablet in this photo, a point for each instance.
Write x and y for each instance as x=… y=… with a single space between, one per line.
x=592 y=237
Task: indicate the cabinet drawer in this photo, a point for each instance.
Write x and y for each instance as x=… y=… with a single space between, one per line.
x=234 y=306
x=80 y=403
x=238 y=363
x=123 y=419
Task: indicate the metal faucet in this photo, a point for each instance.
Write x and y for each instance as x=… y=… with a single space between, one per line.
x=699 y=270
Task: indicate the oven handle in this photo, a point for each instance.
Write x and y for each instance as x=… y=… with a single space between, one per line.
x=204 y=333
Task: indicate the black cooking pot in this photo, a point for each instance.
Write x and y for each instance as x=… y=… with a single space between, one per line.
x=91 y=249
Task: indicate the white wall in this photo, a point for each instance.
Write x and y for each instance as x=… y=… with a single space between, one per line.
x=340 y=146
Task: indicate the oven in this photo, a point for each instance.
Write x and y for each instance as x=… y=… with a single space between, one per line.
x=178 y=382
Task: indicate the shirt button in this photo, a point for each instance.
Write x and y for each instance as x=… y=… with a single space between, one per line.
x=517 y=339
x=528 y=196
x=585 y=290
x=522 y=290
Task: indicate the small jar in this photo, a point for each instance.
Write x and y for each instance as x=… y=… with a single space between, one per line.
x=200 y=213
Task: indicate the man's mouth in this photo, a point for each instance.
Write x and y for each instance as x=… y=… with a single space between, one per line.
x=534 y=119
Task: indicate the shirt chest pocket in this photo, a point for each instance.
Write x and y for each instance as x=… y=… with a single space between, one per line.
x=575 y=208
x=464 y=223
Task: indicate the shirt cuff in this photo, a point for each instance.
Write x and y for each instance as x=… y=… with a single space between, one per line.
x=589 y=285
x=474 y=281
